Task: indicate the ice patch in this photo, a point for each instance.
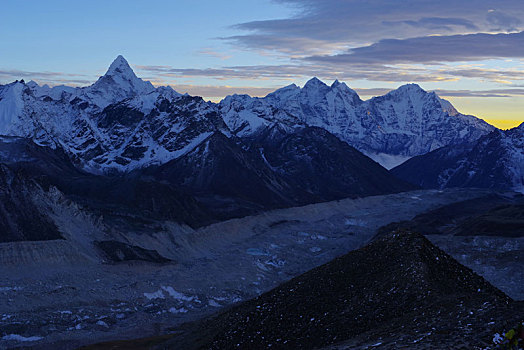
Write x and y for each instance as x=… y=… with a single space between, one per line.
x=102 y=323
x=177 y=295
x=261 y=266
x=497 y=338
x=17 y=337
x=256 y=252
x=174 y=310
x=155 y=295
x=388 y=161
x=355 y=222
x=213 y=303
x=278 y=263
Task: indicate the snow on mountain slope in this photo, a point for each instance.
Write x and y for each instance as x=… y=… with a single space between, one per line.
x=10 y=106
x=495 y=160
x=119 y=83
x=119 y=123
x=123 y=123
x=390 y=129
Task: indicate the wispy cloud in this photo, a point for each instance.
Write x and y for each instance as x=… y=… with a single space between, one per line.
x=217 y=92
x=434 y=49
x=436 y=23
x=450 y=93
x=214 y=53
x=481 y=93
x=51 y=78
x=339 y=69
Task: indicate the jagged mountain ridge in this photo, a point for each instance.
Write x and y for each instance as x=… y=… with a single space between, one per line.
x=405 y=122
x=123 y=123
x=102 y=134
x=495 y=160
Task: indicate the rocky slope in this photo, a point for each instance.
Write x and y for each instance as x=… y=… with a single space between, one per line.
x=399 y=291
x=494 y=161
x=275 y=169
x=485 y=234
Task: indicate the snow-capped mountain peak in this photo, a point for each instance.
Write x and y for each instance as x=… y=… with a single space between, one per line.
x=120 y=66
x=283 y=94
x=410 y=88
x=344 y=89
x=119 y=83
x=405 y=122
x=314 y=84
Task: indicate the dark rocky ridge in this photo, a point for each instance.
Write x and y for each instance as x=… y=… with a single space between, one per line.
x=275 y=169
x=492 y=215
x=118 y=252
x=20 y=216
x=493 y=161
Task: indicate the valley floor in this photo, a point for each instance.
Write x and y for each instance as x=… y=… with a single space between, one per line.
x=51 y=296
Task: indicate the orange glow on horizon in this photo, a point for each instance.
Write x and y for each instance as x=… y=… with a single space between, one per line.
x=504 y=123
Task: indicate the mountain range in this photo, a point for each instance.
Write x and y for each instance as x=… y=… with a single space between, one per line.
x=122 y=122
x=125 y=148
x=127 y=209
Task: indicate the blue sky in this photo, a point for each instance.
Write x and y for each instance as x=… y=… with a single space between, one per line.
x=471 y=52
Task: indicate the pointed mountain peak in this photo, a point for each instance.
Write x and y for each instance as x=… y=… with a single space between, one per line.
x=314 y=83
x=119 y=83
x=120 y=67
x=342 y=86
x=32 y=84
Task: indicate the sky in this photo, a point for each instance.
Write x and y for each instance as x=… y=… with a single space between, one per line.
x=469 y=52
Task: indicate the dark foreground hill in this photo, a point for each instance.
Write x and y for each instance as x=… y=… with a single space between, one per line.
x=400 y=291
